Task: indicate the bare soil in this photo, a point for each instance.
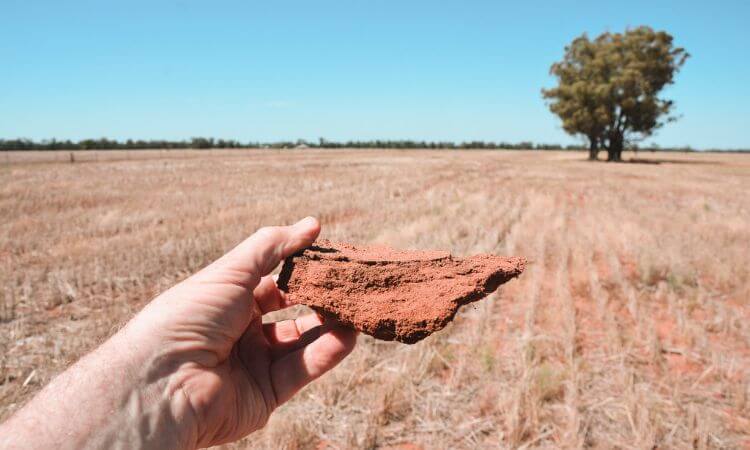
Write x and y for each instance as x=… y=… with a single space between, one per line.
x=629 y=328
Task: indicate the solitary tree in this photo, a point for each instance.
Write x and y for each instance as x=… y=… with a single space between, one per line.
x=608 y=87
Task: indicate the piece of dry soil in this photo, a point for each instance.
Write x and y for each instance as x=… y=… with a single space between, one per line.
x=391 y=294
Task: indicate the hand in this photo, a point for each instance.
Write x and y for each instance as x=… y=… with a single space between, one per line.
x=233 y=370
x=196 y=367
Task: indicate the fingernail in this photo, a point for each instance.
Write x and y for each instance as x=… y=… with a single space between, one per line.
x=307 y=221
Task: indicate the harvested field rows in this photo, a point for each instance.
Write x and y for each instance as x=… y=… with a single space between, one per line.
x=629 y=328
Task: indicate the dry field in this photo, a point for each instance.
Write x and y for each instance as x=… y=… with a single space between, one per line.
x=629 y=329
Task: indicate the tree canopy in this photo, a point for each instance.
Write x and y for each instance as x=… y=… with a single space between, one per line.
x=608 y=88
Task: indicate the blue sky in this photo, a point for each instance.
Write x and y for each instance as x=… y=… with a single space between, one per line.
x=450 y=70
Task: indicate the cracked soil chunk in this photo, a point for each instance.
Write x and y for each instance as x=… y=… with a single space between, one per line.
x=391 y=294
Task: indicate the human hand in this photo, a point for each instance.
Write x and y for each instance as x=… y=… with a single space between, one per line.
x=209 y=342
x=196 y=367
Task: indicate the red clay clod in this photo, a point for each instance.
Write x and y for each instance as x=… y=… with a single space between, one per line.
x=391 y=294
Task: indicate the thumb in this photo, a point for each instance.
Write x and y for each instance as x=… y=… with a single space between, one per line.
x=259 y=254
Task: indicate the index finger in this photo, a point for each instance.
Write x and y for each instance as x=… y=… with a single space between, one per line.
x=268 y=296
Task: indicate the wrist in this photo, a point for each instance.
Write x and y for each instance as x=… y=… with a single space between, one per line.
x=155 y=404
x=120 y=395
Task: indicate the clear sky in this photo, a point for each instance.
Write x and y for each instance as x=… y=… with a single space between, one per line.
x=272 y=70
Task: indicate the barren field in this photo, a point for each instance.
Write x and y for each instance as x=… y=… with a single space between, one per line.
x=630 y=327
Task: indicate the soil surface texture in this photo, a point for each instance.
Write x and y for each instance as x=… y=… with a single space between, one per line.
x=391 y=294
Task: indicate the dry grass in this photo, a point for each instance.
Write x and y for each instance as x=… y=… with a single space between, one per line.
x=629 y=329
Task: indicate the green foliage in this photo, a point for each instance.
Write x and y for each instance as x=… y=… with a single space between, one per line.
x=608 y=88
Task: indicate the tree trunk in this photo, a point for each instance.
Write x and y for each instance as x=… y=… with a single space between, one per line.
x=593 y=149
x=614 y=151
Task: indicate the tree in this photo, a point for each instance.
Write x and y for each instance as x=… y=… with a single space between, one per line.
x=608 y=88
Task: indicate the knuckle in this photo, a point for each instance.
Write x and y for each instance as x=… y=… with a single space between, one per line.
x=268 y=233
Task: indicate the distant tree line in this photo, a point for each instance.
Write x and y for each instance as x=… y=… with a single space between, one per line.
x=408 y=144
x=111 y=144
x=209 y=143
x=206 y=143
